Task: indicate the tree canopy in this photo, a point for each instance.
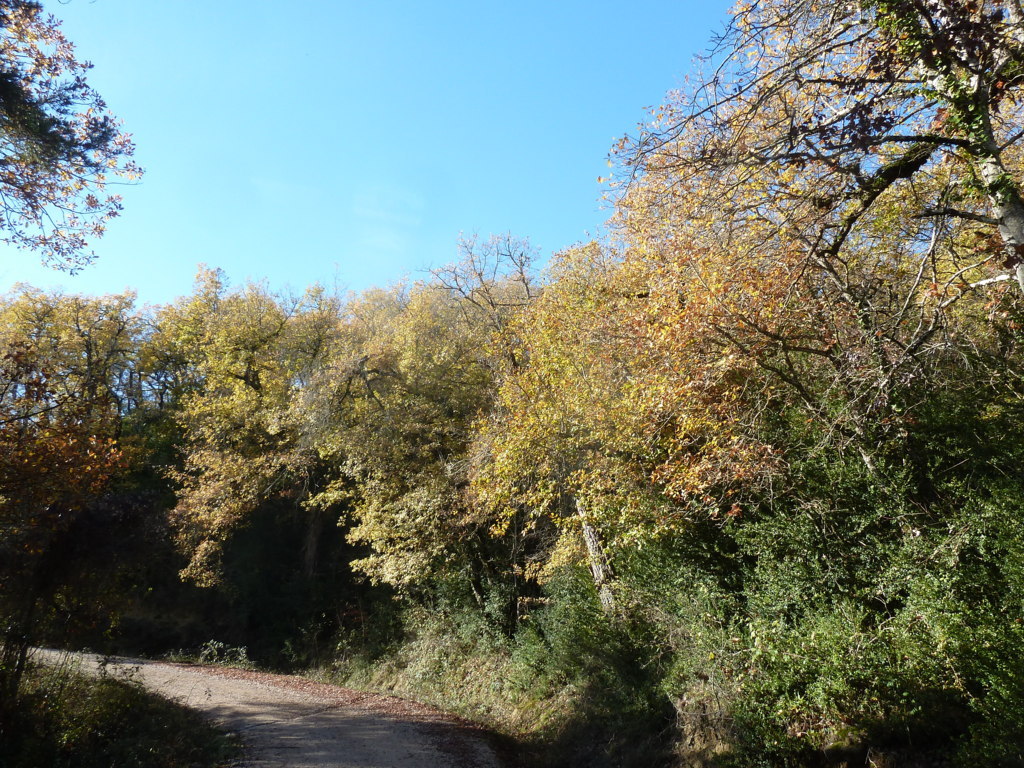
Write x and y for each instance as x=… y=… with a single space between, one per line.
x=749 y=467
x=60 y=147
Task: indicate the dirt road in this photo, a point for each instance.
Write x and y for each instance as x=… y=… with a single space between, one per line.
x=290 y=722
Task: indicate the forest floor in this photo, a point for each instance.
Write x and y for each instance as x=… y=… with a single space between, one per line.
x=292 y=722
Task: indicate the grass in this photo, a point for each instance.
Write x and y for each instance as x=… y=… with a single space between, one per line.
x=68 y=720
x=547 y=711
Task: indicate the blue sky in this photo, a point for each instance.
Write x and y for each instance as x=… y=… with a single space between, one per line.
x=350 y=143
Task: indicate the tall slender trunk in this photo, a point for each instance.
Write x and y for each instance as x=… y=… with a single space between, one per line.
x=1008 y=207
x=600 y=567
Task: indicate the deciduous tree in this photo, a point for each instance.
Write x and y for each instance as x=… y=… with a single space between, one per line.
x=819 y=214
x=54 y=458
x=59 y=144
x=397 y=404
x=563 y=444
x=250 y=354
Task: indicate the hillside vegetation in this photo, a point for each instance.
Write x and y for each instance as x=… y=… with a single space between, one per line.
x=738 y=485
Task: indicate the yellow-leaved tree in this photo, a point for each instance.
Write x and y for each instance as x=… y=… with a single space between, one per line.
x=250 y=354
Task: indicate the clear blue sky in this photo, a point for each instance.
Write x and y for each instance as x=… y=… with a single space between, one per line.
x=352 y=142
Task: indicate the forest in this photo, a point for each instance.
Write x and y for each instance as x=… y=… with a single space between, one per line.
x=736 y=485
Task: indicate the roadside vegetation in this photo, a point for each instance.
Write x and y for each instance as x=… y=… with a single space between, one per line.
x=738 y=485
x=66 y=719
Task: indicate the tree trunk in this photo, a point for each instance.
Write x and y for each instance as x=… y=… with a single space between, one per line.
x=1008 y=208
x=600 y=566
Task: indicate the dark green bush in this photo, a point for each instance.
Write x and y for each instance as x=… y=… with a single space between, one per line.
x=64 y=720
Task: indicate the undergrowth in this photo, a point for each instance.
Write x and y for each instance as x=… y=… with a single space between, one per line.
x=571 y=687
x=64 y=719
x=884 y=649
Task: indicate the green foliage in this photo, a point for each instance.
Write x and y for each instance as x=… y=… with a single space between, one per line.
x=777 y=415
x=572 y=686
x=69 y=721
x=876 y=621
x=216 y=652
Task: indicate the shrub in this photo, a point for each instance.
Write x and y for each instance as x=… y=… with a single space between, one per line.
x=66 y=720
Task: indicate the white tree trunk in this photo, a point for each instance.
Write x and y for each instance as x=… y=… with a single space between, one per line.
x=600 y=567
x=1008 y=209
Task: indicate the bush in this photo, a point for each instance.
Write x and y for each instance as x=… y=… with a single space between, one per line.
x=66 y=720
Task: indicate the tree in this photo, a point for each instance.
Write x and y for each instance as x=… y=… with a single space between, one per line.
x=393 y=412
x=822 y=235
x=59 y=144
x=563 y=444
x=855 y=163
x=90 y=344
x=69 y=378
x=249 y=355
x=493 y=282
x=832 y=105
x=54 y=458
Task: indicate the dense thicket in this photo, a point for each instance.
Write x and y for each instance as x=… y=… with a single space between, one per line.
x=739 y=485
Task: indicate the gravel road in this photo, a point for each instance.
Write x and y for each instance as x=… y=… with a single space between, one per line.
x=291 y=722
